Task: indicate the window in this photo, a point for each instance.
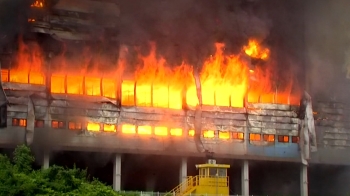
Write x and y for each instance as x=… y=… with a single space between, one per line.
x=143 y=94
x=283 y=138
x=128 y=128
x=109 y=128
x=3 y=116
x=209 y=134
x=109 y=88
x=160 y=95
x=224 y=135
x=222 y=172
x=19 y=122
x=15 y=122
x=58 y=84
x=176 y=131
x=254 y=137
x=36 y=78
x=201 y=172
x=39 y=123
x=5 y=75
x=295 y=139
x=19 y=76
x=269 y=138
x=238 y=135
x=75 y=85
x=93 y=86
x=57 y=124
x=144 y=130
x=212 y=171
x=161 y=131
x=191 y=133
x=74 y=126
x=128 y=96
x=93 y=126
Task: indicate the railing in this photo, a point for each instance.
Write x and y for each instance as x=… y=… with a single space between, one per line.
x=194 y=181
x=190 y=182
x=145 y=193
x=215 y=181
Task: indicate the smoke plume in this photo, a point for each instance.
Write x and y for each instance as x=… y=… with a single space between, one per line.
x=12 y=19
x=327 y=43
x=187 y=29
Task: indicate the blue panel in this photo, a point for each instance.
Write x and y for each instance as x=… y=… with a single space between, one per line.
x=270 y=151
x=278 y=150
x=287 y=150
x=255 y=150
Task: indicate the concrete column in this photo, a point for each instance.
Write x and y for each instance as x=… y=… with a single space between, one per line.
x=304 y=184
x=46 y=160
x=117 y=172
x=245 y=178
x=183 y=171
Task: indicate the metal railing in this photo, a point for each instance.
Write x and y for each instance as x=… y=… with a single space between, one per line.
x=194 y=181
x=145 y=193
x=185 y=186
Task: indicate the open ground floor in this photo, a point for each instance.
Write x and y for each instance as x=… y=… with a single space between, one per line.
x=132 y=172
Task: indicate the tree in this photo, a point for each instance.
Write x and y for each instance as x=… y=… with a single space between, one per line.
x=17 y=177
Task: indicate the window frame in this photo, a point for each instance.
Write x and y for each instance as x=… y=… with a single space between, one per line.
x=281 y=138
x=60 y=124
x=36 y=123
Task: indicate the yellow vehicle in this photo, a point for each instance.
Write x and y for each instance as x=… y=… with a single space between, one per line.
x=212 y=180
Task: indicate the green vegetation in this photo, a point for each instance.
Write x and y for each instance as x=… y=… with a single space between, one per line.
x=17 y=177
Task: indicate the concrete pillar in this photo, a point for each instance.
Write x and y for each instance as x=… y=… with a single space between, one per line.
x=304 y=184
x=117 y=172
x=46 y=160
x=245 y=178
x=183 y=171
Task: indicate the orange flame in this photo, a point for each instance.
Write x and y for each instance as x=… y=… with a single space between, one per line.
x=225 y=79
x=161 y=131
x=224 y=135
x=176 y=132
x=29 y=65
x=38 y=4
x=144 y=130
x=156 y=84
x=209 y=134
x=129 y=129
x=254 y=50
x=95 y=127
x=109 y=128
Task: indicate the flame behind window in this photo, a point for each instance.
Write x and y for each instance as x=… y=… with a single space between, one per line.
x=109 y=128
x=93 y=126
x=38 y=4
x=128 y=128
x=224 y=80
x=176 y=132
x=144 y=130
x=224 y=134
x=161 y=131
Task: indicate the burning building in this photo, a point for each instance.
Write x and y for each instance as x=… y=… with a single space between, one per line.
x=230 y=101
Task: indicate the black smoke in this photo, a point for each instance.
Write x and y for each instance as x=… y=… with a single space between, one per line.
x=187 y=29
x=13 y=21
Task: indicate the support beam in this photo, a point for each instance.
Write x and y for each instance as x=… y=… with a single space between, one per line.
x=245 y=178
x=304 y=184
x=46 y=160
x=183 y=171
x=117 y=172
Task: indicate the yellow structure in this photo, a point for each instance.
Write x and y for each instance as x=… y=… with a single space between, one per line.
x=212 y=180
